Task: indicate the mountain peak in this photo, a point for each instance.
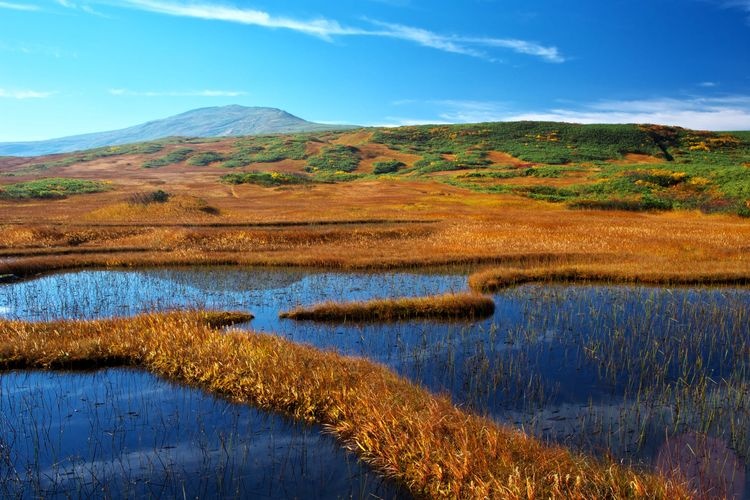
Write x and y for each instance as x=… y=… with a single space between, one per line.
x=216 y=121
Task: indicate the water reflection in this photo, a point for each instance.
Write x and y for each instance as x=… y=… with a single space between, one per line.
x=127 y=434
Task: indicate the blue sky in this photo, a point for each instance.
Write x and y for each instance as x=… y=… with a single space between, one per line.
x=75 y=66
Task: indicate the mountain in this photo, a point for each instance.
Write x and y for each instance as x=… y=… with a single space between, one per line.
x=205 y=122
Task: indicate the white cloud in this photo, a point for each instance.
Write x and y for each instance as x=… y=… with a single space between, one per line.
x=24 y=94
x=320 y=27
x=425 y=38
x=18 y=6
x=188 y=93
x=550 y=54
x=703 y=113
x=727 y=113
x=327 y=29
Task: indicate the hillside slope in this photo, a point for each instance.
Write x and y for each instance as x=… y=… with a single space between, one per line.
x=601 y=167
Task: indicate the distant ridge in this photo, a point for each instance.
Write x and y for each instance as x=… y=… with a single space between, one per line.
x=220 y=121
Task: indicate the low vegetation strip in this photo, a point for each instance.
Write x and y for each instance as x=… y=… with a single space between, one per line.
x=50 y=188
x=265 y=179
x=491 y=280
x=446 y=307
x=401 y=430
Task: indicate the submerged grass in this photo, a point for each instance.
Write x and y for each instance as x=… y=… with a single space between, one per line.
x=447 y=307
x=400 y=429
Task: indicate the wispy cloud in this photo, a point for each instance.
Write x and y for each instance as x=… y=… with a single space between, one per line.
x=732 y=4
x=704 y=113
x=188 y=93
x=454 y=111
x=424 y=38
x=551 y=54
x=471 y=46
x=24 y=94
x=36 y=49
x=399 y=121
x=721 y=113
x=328 y=29
x=19 y=6
x=741 y=4
x=83 y=7
x=462 y=111
x=320 y=27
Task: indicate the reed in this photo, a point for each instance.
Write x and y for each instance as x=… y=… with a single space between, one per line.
x=422 y=441
x=443 y=307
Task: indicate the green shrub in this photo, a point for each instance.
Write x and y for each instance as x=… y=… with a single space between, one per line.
x=658 y=177
x=158 y=196
x=267 y=149
x=266 y=179
x=336 y=159
x=176 y=156
x=51 y=188
x=540 y=142
x=207 y=158
x=643 y=204
x=434 y=163
x=387 y=167
x=472 y=159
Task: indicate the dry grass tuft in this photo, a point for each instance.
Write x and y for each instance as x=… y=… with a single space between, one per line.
x=401 y=430
x=445 y=307
x=178 y=207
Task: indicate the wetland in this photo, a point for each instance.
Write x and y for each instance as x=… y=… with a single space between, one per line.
x=655 y=378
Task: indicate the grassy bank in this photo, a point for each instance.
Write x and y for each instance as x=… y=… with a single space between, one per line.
x=401 y=430
x=491 y=280
x=446 y=307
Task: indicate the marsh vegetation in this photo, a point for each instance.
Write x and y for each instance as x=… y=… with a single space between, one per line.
x=631 y=373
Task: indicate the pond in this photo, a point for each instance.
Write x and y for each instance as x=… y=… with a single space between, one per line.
x=639 y=374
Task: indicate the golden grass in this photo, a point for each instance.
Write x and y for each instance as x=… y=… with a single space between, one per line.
x=179 y=207
x=401 y=430
x=445 y=307
x=490 y=280
x=383 y=224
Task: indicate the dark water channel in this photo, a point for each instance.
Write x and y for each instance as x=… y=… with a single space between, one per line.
x=127 y=434
x=651 y=376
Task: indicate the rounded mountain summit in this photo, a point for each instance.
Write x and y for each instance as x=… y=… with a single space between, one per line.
x=220 y=121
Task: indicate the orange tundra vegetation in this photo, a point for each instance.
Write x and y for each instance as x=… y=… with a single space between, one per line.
x=401 y=430
x=433 y=226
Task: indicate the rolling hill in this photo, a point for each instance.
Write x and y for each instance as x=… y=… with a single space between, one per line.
x=633 y=168
x=221 y=121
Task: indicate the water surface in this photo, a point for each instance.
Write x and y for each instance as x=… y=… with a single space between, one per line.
x=127 y=434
